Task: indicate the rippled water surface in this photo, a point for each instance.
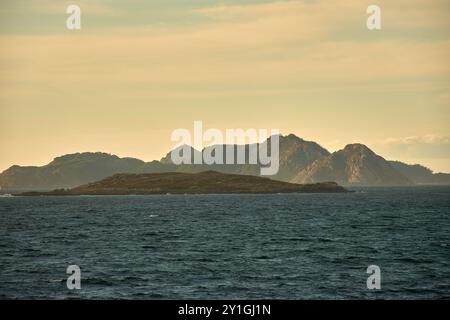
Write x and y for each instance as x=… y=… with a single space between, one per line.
x=296 y=246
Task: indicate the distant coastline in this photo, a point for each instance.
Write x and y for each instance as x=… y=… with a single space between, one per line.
x=209 y=182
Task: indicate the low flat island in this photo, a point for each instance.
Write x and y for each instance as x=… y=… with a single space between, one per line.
x=208 y=182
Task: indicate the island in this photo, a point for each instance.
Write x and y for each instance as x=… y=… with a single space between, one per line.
x=207 y=182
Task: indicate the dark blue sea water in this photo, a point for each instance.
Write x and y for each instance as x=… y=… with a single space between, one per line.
x=296 y=246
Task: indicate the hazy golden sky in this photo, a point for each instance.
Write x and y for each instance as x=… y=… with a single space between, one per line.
x=140 y=69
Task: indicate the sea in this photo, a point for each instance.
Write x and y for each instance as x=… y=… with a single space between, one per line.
x=248 y=246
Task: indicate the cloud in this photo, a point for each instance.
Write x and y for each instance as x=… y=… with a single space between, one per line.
x=94 y=8
x=411 y=140
x=329 y=15
x=427 y=146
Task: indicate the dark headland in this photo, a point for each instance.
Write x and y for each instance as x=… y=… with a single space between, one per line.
x=208 y=182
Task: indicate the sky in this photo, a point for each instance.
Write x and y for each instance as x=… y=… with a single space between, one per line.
x=137 y=70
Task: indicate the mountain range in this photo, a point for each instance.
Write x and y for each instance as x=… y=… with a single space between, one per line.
x=301 y=161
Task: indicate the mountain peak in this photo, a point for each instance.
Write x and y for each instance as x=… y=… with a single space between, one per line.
x=358 y=147
x=291 y=137
x=84 y=156
x=167 y=159
x=356 y=164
